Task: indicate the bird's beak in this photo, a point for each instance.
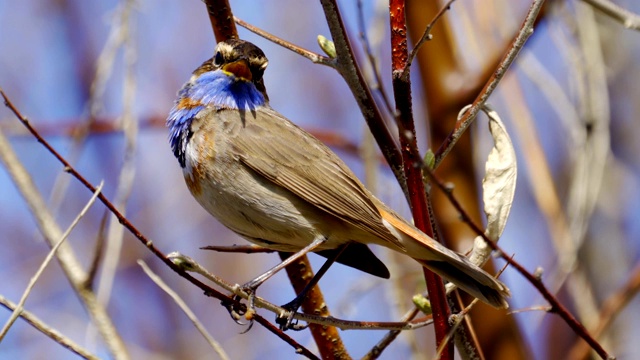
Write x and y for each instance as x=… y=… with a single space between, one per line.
x=239 y=69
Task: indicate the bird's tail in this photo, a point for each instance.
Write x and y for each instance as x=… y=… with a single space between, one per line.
x=447 y=263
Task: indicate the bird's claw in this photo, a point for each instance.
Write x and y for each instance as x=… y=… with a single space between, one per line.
x=238 y=310
x=285 y=319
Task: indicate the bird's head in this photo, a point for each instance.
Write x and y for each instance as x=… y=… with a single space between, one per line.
x=240 y=59
x=231 y=79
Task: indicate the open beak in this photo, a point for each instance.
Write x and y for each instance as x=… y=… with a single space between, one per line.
x=239 y=69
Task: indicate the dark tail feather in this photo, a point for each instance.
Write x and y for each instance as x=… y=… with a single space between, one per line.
x=360 y=257
x=480 y=285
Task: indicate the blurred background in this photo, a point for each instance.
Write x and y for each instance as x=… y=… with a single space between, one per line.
x=97 y=79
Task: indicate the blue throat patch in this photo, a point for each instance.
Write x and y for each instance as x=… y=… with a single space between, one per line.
x=211 y=89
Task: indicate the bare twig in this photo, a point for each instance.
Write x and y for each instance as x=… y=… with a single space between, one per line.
x=48 y=331
x=129 y=121
x=314 y=57
x=628 y=19
x=188 y=264
x=373 y=62
x=185 y=308
x=556 y=305
x=97 y=252
x=611 y=308
x=516 y=45
x=18 y=309
x=426 y=36
x=51 y=231
x=377 y=350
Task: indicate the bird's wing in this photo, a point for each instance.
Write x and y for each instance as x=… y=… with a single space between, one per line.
x=290 y=157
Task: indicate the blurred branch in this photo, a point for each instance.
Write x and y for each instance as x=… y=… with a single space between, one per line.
x=97 y=252
x=611 y=308
x=556 y=305
x=628 y=19
x=411 y=157
x=185 y=308
x=51 y=231
x=129 y=121
x=48 y=331
x=375 y=69
x=18 y=309
x=104 y=68
x=526 y=29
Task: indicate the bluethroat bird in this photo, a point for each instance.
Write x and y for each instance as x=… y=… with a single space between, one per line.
x=279 y=187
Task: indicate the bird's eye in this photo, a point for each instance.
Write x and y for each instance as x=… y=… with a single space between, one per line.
x=218 y=59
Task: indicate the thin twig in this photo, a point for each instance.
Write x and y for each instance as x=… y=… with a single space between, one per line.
x=185 y=308
x=69 y=263
x=556 y=305
x=97 y=252
x=611 y=308
x=18 y=309
x=628 y=19
x=526 y=29
x=129 y=120
x=314 y=57
x=426 y=36
x=188 y=264
x=373 y=62
x=48 y=331
x=389 y=337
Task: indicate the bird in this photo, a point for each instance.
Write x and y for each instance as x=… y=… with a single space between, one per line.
x=279 y=187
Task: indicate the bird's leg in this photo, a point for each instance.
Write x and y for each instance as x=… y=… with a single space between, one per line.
x=286 y=321
x=251 y=287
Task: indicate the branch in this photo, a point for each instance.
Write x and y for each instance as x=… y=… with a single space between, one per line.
x=526 y=29
x=67 y=259
x=188 y=264
x=314 y=57
x=18 y=308
x=48 y=331
x=221 y=19
x=411 y=157
x=628 y=19
x=556 y=305
x=185 y=308
x=611 y=308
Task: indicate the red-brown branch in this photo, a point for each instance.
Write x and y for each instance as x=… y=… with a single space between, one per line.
x=412 y=160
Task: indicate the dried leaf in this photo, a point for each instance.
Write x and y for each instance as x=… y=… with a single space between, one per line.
x=499 y=185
